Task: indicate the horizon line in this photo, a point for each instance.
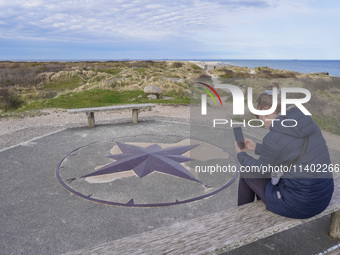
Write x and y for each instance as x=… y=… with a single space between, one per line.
x=158 y=59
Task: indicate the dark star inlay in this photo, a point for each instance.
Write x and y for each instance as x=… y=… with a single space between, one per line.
x=144 y=161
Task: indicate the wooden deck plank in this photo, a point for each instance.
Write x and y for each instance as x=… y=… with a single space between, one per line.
x=211 y=234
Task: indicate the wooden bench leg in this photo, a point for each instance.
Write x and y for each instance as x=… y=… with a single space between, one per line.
x=135 y=116
x=334 y=227
x=90 y=117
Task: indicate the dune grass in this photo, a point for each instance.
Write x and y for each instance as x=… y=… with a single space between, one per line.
x=63 y=84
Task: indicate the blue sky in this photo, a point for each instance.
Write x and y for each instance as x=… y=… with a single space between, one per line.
x=169 y=29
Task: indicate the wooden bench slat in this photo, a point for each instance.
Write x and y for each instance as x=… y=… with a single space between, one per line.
x=90 y=111
x=213 y=234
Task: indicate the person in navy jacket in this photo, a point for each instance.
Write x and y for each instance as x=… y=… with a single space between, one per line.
x=300 y=193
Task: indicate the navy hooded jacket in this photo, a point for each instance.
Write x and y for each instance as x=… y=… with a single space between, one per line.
x=299 y=194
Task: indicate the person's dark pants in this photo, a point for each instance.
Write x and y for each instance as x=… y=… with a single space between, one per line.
x=249 y=188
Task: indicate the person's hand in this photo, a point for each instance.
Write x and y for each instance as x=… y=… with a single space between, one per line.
x=250 y=144
x=237 y=149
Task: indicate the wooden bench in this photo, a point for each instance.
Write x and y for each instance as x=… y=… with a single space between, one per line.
x=215 y=233
x=134 y=107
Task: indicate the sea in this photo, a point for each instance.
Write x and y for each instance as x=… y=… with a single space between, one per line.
x=303 y=66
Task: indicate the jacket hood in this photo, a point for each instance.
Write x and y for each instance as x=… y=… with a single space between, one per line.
x=305 y=124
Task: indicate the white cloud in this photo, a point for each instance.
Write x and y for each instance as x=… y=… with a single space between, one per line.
x=139 y=19
x=254 y=28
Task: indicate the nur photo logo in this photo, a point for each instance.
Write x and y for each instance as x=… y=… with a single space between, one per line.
x=204 y=97
x=243 y=102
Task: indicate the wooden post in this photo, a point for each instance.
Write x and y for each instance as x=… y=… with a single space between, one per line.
x=135 y=116
x=334 y=227
x=90 y=117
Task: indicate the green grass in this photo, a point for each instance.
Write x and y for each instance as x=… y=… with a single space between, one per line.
x=64 y=84
x=113 y=71
x=327 y=123
x=195 y=67
x=140 y=70
x=97 y=98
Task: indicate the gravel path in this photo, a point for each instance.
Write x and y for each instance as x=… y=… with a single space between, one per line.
x=17 y=130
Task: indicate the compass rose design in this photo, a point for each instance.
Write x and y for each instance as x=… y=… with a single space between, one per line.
x=144 y=161
x=151 y=166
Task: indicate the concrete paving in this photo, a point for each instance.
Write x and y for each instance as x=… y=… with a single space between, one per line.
x=38 y=216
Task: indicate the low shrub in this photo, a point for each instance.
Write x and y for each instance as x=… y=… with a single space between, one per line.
x=9 y=101
x=176 y=64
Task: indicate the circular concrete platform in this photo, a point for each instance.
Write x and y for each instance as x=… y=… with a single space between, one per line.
x=147 y=170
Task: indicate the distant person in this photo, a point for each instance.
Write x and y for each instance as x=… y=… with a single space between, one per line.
x=295 y=194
